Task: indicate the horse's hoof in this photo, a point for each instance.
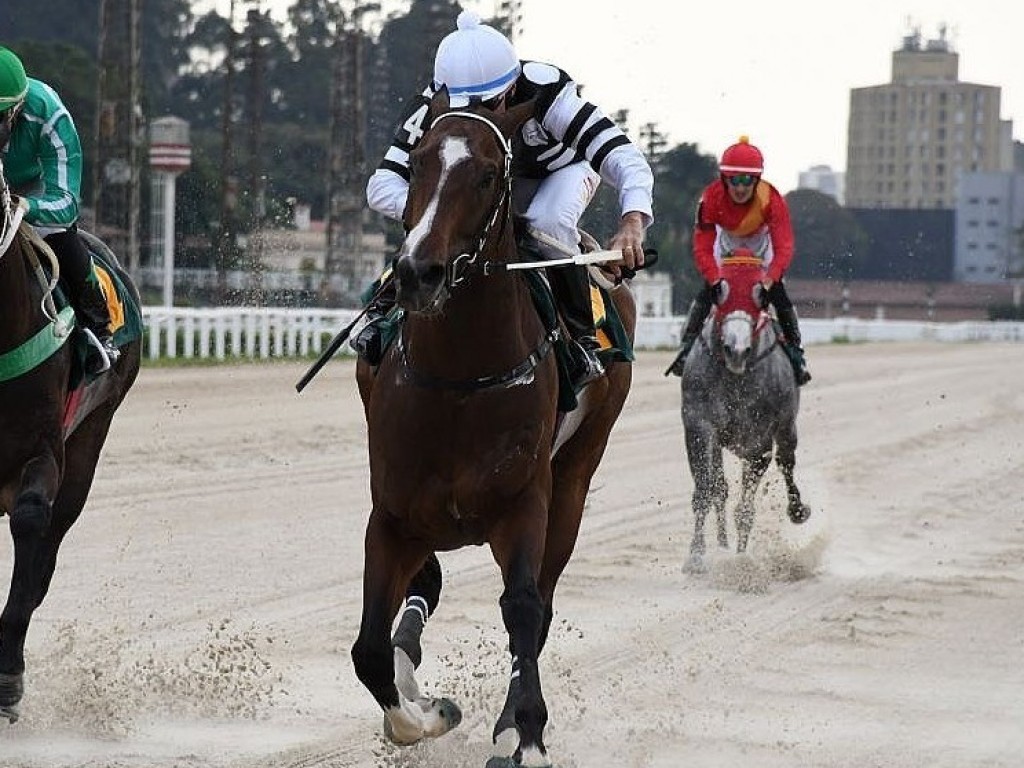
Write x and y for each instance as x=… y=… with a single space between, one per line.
x=12 y=688
x=799 y=514
x=449 y=711
x=435 y=718
x=506 y=762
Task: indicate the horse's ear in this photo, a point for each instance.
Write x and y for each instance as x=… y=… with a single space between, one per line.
x=439 y=104
x=510 y=121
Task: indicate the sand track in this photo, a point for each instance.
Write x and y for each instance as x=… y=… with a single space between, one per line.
x=205 y=604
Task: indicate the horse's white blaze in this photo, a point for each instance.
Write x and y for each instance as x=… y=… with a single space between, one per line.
x=737 y=336
x=453 y=150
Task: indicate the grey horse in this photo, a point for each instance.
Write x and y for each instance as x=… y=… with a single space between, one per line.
x=738 y=394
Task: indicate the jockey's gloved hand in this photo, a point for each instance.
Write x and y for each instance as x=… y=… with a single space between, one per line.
x=719 y=290
x=761 y=296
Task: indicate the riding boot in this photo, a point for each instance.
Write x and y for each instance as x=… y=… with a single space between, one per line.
x=369 y=342
x=92 y=306
x=571 y=288
x=791 y=330
x=86 y=298
x=699 y=308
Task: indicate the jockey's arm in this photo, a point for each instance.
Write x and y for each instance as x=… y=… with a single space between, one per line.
x=780 y=229
x=584 y=127
x=388 y=188
x=386 y=193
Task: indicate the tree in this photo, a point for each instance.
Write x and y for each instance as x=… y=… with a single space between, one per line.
x=830 y=244
x=680 y=174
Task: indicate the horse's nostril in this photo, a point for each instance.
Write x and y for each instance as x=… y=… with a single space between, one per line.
x=432 y=275
x=405 y=274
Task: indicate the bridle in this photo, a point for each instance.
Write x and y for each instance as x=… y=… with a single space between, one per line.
x=756 y=328
x=459 y=267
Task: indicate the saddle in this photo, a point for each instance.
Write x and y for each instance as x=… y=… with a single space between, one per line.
x=125 y=312
x=611 y=333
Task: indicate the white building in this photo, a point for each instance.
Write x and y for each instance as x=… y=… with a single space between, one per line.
x=822 y=178
x=989 y=228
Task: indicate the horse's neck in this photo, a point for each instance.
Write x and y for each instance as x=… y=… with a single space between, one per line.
x=19 y=297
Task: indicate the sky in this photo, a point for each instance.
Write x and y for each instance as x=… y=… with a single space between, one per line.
x=779 y=71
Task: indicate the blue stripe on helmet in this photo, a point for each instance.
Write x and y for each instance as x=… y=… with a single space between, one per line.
x=488 y=87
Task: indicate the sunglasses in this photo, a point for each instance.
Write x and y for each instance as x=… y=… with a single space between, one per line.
x=743 y=180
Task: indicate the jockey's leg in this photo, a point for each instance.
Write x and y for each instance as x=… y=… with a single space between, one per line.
x=571 y=287
x=85 y=294
x=553 y=207
x=699 y=308
x=369 y=342
x=786 y=313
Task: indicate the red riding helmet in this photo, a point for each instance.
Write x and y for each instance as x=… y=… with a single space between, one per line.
x=742 y=157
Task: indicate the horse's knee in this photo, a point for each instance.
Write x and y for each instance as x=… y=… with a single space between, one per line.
x=31 y=516
x=375 y=669
x=521 y=605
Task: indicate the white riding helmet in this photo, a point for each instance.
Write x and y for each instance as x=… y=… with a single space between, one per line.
x=475 y=62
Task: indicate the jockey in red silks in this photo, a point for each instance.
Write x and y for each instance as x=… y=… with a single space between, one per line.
x=740 y=210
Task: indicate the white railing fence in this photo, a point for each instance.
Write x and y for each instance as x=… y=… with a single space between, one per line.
x=254 y=332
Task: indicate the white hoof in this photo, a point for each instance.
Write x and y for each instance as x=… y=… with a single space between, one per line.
x=412 y=721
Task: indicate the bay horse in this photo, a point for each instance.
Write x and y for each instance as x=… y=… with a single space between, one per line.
x=465 y=446
x=739 y=394
x=53 y=424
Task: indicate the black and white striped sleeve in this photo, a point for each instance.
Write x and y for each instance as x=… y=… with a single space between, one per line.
x=583 y=126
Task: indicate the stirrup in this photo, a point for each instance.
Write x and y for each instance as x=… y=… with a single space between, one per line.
x=589 y=366
x=102 y=354
x=369 y=342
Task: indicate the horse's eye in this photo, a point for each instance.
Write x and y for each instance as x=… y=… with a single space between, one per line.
x=487 y=180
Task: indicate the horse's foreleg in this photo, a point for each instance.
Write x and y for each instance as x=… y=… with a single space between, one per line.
x=34 y=559
x=797 y=511
x=705 y=459
x=421 y=599
x=388 y=568
x=572 y=474
x=517 y=549
x=753 y=471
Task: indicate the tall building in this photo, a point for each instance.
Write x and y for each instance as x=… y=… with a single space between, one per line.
x=822 y=178
x=911 y=140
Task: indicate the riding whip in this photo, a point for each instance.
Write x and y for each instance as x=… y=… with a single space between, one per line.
x=340 y=338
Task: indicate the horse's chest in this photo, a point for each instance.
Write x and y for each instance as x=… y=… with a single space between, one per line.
x=459 y=474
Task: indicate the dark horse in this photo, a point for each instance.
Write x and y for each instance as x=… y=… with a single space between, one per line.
x=462 y=417
x=51 y=434
x=739 y=394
